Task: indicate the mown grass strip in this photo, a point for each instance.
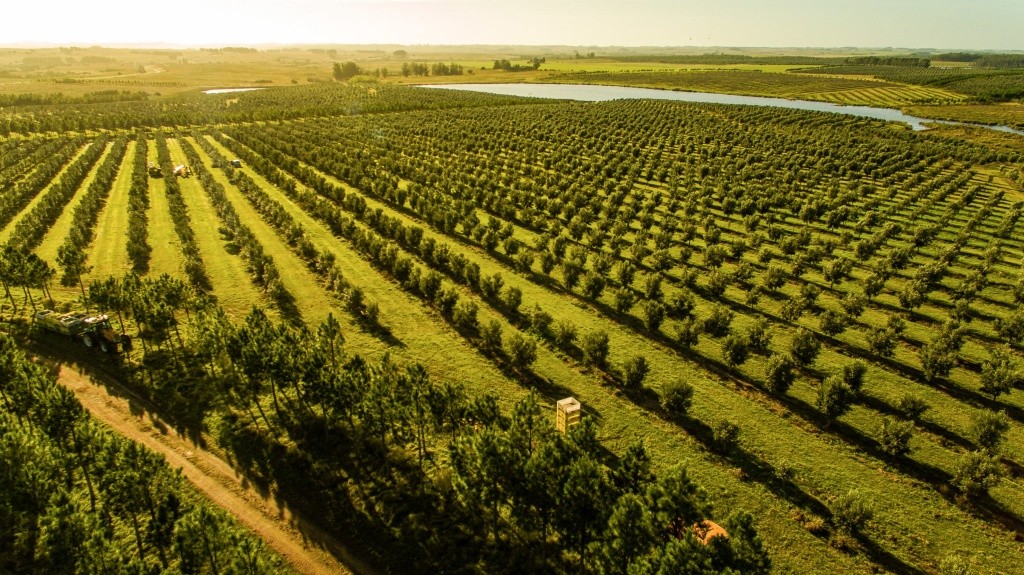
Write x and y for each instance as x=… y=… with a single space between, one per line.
x=108 y=255
x=166 y=257
x=231 y=285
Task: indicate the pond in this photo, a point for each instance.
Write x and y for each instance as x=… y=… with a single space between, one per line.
x=596 y=93
x=229 y=90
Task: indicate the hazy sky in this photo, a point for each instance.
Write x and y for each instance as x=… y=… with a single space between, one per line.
x=980 y=24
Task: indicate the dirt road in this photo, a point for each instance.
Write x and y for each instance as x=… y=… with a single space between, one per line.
x=306 y=548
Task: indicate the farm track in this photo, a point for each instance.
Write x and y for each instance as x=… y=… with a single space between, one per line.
x=302 y=544
x=768 y=437
x=108 y=254
x=166 y=257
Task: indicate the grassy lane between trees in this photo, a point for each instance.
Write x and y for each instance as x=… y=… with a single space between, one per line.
x=108 y=255
x=166 y=257
x=234 y=290
x=5 y=233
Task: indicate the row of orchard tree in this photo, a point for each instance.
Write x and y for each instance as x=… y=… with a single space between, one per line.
x=443 y=480
x=75 y=498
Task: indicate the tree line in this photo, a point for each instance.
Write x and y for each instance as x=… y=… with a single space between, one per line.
x=76 y=498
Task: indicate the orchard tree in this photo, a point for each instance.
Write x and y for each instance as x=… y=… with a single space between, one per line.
x=989 y=429
x=522 y=351
x=833 y=398
x=937 y=359
x=976 y=473
x=894 y=436
x=999 y=373
x=595 y=348
x=805 y=347
x=676 y=397
x=778 y=373
x=635 y=371
x=735 y=349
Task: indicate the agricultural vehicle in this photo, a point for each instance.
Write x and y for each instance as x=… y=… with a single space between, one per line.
x=182 y=171
x=154 y=170
x=93 y=330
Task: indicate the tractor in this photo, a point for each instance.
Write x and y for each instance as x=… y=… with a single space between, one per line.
x=154 y=170
x=93 y=330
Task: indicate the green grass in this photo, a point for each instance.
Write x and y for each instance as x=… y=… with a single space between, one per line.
x=231 y=282
x=59 y=231
x=166 y=256
x=108 y=255
x=5 y=233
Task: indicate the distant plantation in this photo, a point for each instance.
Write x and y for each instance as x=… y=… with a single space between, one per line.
x=804 y=327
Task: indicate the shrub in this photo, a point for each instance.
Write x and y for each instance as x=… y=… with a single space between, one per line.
x=595 y=348
x=976 y=473
x=894 y=436
x=717 y=324
x=464 y=316
x=735 y=349
x=564 y=334
x=490 y=336
x=624 y=300
x=850 y=512
x=676 y=397
x=725 y=437
x=833 y=397
x=634 y=371
x=688 y=333
x=853 y=375
x=778 y=373
x=654 y=314
x=989 y=429
x=805 y=347
x=912 y=407
x=512 y=298
x=759 y=339
x=522 y=351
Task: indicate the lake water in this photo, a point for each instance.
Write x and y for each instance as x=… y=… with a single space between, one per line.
x=229 y=90
x=594 y=93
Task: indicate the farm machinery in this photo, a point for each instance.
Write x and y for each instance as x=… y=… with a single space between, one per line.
x=92 y=330
x=154 y=170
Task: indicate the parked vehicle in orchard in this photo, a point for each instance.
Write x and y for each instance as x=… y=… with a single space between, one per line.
x=93 y=330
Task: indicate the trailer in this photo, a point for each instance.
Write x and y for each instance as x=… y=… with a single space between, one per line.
x=92 y=330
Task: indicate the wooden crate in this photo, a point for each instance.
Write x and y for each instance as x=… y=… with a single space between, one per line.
x=567 y=414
